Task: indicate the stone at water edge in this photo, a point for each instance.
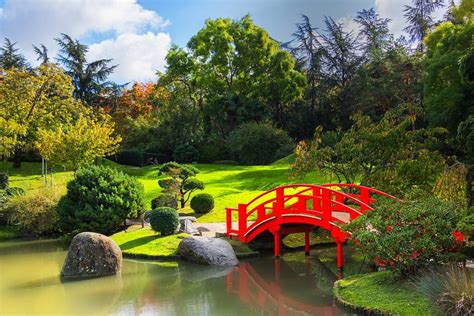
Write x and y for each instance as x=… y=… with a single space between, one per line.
x=206 y=250
x=91 y=255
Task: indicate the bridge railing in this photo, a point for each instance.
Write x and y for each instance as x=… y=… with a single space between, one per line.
x=324 y=199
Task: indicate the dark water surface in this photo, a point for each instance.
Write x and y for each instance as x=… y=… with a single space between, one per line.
x=293 y=285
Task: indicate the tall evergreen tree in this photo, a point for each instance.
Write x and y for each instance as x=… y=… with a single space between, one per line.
x=10 y=57
x=88 y=78
x=420 y=20
x=41 y=53
x=374 y=31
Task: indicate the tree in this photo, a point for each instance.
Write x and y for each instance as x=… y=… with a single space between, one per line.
x=389 y=154
x=340 y=63
x=449 y=84
x=79 y=143
x=390 y=79
x=42 y=53
x=238 y=61
x=419 y=19
x=88 y=78
x=30 y=100
x=10 y=58
x=374 y=31
x=182 y=181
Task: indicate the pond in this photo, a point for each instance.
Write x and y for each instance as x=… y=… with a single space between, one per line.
x=293 y=285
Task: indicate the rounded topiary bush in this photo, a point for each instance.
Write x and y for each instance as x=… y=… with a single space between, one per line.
x=164 y=220
x=99 y=199
x=202 y=203
x=164 y=199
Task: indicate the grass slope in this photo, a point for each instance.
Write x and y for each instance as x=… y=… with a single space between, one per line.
x=228 y=184
x=382 y=292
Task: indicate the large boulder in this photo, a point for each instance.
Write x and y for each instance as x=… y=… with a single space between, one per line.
x=91 y=255
x=206 y=250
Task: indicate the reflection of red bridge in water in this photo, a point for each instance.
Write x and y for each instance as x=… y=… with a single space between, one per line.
x=298 y=208
x=269 y=296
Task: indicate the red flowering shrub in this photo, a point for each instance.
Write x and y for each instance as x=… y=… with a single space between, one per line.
x=408 y=235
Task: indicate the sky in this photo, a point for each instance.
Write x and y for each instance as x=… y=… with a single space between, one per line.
x=137 y=34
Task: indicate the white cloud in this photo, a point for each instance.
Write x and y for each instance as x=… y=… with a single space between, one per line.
x=119 y=22
x=393 y=9
x=138 y=55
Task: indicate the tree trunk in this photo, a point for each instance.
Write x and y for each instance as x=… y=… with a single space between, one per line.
x=17 y=158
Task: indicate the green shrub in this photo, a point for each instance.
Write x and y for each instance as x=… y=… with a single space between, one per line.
x=226 y=162
x=185 y=154
x=466 y=225
x=99 y=199
x=406 y=236
x=130 y=158
x=164 y=199
x=259 y=143
x=35 y=212
x=3 y=180
x=164 y=220
x=202 y=203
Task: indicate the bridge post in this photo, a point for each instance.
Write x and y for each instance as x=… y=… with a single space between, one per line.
x=242 y=209
x=276 y=241
x=306 y=243
x=340 y=256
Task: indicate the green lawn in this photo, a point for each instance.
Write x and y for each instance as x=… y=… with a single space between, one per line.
x=228 y=184
x=383 y=292
x=144 y=241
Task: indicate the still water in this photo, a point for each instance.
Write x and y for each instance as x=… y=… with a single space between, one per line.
x=293 y=285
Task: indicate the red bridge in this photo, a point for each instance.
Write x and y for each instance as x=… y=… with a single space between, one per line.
x=299 y=208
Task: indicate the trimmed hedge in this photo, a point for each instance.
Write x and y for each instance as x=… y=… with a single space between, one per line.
x=164 y=220
x=202 y=203
x=130 y=158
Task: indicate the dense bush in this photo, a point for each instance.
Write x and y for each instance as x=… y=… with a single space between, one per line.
x=259 y=143
x=202 y=203
x=451 y=288
x=130 y=157
x=408 y=235
x=34 y=213
x=164 y=220
x=164 y=199
x=99 y=199
x=4 y=180
x=186 y=154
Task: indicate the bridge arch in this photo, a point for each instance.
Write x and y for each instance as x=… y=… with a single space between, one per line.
x=300 y=207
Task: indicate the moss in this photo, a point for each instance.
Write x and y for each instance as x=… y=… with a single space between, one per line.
x=241 y=250
x=145 y=243
x=384 y=293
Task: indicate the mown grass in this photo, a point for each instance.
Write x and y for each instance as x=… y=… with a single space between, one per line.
x=144 y=241
x=228 y=184
x=383 y=292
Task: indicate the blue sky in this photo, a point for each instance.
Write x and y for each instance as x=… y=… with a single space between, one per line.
x=138 y=33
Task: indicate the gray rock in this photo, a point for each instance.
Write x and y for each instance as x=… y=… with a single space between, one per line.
x=209 y=251
x=186 y=226
x=91 y=255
